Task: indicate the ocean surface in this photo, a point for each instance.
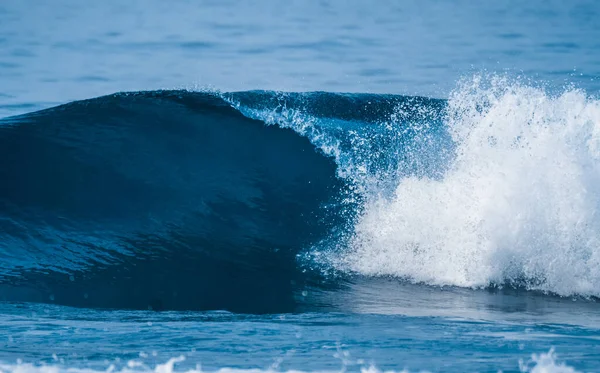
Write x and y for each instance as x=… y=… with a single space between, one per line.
x=305 y=186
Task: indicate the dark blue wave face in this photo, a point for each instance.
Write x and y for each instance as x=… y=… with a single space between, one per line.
x=168 y=200
x=179 y=200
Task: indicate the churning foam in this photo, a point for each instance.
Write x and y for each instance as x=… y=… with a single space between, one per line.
x=518 y=203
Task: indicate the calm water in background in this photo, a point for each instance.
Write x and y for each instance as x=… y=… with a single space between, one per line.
x=53 y=52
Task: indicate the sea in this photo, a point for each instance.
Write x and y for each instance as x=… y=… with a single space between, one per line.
x=301 y=186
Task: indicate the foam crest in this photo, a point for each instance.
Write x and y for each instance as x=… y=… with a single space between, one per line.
x=517 y=205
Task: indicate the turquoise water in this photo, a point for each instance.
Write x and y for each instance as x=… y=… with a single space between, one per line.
x=234 y=213
x=281 y=342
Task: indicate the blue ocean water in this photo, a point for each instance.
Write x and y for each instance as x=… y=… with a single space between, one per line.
x=308 y=186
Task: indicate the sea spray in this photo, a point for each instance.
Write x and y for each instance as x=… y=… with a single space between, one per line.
x=518 y=204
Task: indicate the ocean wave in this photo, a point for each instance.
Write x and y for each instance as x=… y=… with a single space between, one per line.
x=244 y=201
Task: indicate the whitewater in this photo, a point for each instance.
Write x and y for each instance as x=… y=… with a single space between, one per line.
x=517 y=205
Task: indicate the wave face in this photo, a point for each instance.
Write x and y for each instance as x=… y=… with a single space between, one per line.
x=168 y=200
x=244 y=201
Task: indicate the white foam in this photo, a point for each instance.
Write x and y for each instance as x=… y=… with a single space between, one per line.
x=519 y=203
x=543 y=363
